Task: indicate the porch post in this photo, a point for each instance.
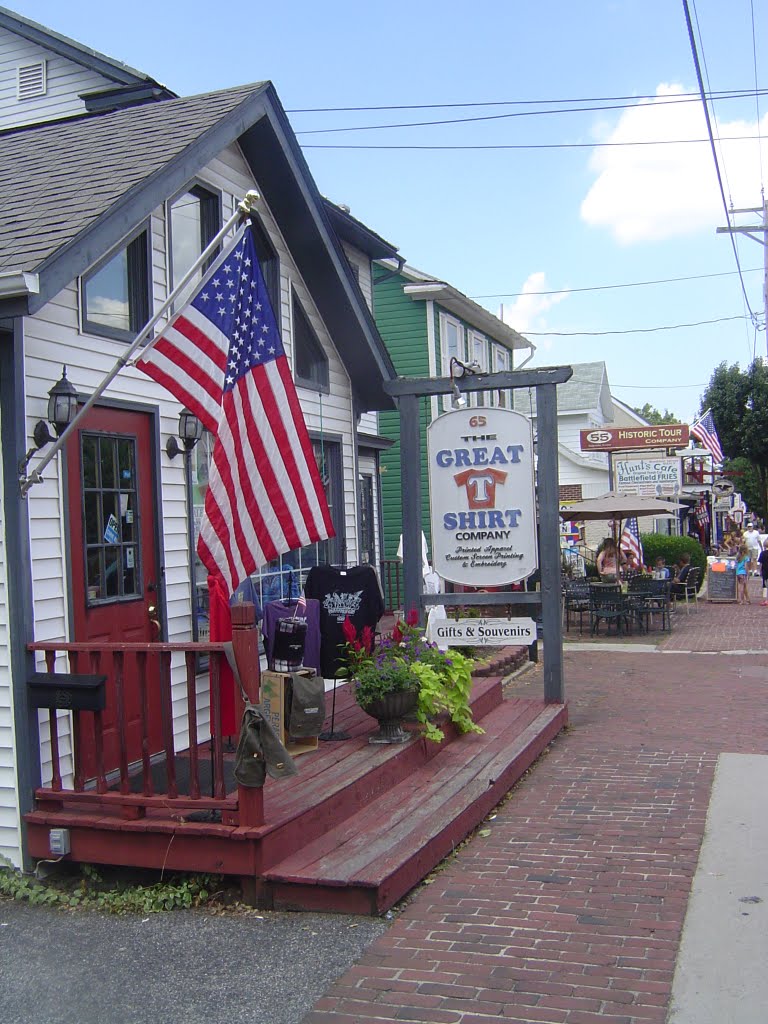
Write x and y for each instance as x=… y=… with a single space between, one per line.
x=549 y=542
x=245 y=644
x=410 y=482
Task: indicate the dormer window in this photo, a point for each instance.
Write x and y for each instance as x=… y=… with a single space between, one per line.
x=310 y=367
x=31 y=80
x=115 y=293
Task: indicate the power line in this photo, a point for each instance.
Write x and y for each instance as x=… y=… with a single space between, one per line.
x=657 y=102
x=714 y=150
x=757 y=99
x=539 y=145
x=655 y=387
x=724 y=94
x=608 y=287
x=631 y=330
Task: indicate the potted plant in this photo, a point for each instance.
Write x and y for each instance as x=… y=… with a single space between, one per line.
x=404 y=674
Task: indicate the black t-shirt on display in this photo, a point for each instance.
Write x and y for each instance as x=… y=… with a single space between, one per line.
x=343 y=593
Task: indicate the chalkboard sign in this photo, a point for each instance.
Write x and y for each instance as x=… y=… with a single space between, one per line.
x=721 y=580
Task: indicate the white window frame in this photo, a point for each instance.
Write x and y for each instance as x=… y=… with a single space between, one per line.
x=446 y=354
x=500 y=362
x=478 y=352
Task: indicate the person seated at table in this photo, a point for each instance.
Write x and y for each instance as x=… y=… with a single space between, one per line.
x=660 y=570
x=609 y=561
x=681 y=575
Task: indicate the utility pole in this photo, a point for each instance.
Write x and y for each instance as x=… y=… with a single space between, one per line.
x=754 y=231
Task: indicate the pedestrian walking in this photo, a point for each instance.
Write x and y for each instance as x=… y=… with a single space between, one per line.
x=752 y=540
x=763 y=563
x=742 y=577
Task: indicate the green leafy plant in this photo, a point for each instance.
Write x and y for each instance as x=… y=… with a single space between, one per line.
x=671 y=548
x=90 y=891
x=407 y=660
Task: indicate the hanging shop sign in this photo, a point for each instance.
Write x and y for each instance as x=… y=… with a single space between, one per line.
x=482 y=632
x=648 y=477
x=481 y=485
x=671 y=435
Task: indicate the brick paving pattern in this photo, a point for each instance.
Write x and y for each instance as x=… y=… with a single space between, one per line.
x=567 y=906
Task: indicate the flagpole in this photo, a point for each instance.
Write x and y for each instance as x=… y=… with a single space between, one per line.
x=244 y=208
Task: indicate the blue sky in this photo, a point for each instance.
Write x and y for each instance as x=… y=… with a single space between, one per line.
x=496 y=222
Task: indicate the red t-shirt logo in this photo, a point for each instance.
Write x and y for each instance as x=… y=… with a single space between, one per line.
x=480 y=484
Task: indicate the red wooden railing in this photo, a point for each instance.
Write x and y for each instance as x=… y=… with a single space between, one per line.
x=150 y=664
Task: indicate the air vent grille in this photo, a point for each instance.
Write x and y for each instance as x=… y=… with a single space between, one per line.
x=31 y=80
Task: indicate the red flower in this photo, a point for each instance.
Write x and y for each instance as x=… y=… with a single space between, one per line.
x=367 y=636
x=349 y=631
x=412 y=618
x=397 y=633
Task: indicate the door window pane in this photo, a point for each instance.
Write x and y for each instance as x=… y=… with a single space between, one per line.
x=110 y=521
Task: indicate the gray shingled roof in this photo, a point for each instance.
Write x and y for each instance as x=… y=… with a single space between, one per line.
x=582 y=391
x=56 y=179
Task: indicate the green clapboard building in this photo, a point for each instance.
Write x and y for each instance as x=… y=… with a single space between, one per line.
x=425 y=323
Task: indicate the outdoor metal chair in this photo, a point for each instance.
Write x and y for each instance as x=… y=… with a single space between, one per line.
x=659 y=602
x=575 y=602
x=609 y=605
x=689 y=589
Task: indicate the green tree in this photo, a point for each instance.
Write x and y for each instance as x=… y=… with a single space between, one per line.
x=739 y=403
x=654 y=416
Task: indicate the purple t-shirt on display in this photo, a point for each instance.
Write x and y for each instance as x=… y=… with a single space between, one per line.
x=309 y=616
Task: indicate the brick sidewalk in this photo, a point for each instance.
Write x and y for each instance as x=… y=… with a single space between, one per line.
x=570 y=908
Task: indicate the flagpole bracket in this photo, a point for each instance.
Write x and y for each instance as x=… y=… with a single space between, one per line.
x=247 y=205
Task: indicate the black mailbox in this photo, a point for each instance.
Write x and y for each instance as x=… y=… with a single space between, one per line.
x=67 y=691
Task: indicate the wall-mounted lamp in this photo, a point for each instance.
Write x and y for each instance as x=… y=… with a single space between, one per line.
x=62 y=409
x=190 y=432
x=457 y=371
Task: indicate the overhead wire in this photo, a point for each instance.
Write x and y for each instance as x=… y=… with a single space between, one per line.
x=632 y=330
x=631 y=100
x=534 y=145
x=705 y=105
x=757 y=98
x=610 y=287
x=657 y=101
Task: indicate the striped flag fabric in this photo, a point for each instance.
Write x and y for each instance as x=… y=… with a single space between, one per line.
x=630 y=543
x=223 y=358
x=704 y=430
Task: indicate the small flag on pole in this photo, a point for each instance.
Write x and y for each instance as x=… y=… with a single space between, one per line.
x=630 y=543
x=704 y=430
x=222 y=357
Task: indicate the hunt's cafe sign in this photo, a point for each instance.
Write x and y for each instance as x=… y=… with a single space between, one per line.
x=483 y=510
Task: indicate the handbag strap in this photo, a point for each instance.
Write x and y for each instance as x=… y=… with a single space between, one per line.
x=230 y=653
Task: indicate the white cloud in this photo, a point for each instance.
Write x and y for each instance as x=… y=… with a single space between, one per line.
x=527 y=312
x=647 y=193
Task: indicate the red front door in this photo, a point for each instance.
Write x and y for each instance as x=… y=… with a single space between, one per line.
x=114 y=561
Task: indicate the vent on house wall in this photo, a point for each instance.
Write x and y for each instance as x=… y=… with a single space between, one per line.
x=30 y=80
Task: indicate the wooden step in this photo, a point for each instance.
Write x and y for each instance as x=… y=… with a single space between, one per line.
x=360 y=867
x=342 y=778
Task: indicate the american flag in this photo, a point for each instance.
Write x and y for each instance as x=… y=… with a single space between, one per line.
x=702 y=513
x=629 y=541
x=222 y=357
x=704 y=430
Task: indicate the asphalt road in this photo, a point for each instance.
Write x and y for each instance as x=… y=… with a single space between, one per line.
x=84 y=967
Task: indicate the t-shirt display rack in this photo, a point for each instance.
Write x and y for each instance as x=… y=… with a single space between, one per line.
x=306 y=631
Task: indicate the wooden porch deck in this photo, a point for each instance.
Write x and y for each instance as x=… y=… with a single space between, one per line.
x=353 y=832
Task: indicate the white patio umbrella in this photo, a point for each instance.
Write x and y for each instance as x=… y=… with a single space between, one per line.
x=617 y=506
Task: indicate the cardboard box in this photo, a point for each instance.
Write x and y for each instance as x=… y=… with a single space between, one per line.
x=273 y=687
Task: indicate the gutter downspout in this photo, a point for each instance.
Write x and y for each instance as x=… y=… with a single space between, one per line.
x=391 y=273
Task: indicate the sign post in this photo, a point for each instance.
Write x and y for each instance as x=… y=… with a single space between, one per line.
x=527 y=520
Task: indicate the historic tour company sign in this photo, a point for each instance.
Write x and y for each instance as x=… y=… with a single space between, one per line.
x=481 y=485
x=671 y=435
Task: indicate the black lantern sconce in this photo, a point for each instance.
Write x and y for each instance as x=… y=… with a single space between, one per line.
x=190 y=432
x=62 y=409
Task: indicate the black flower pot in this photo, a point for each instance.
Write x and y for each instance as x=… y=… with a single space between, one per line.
x=389 y=711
